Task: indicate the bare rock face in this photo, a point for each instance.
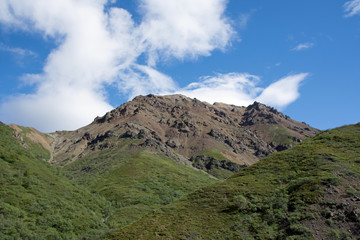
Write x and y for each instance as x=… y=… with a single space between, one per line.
x=183 y=128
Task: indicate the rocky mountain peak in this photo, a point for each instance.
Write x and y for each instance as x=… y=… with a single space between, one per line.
x=184 y=128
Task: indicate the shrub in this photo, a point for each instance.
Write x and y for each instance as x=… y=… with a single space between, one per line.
x=240 y=201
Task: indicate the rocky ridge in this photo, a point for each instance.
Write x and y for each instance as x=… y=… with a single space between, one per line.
x=183 y=128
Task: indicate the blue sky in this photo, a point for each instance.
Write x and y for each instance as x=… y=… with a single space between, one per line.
x=64 y=62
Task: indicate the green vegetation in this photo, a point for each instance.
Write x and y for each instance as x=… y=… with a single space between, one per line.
x=281 y=197
x=135 y=183
x=36 y=202
x=89 y=197
x=215 y=153
x=122 y=193
x=280 y=136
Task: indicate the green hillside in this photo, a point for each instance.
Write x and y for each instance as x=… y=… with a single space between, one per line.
x=89 y=197
x=136 y=182
x=311 y=191
x=36 y=202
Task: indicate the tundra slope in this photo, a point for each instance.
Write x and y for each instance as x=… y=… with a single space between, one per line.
x=36 y=201
x=310 y=191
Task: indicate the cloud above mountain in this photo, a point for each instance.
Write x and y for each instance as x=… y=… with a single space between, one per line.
x=243 y=89
x=100 y=45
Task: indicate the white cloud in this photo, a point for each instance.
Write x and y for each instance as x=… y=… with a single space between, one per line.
x=66 y=107
x=140 y=80
x=85 y=60
x=282 y=92
x=352 y=8
x=241 y=89
x=98 y=47
x=231 y=88
x=184 y=28
x=303 y=46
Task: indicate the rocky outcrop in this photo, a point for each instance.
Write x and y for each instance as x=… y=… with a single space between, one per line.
x=211 y=165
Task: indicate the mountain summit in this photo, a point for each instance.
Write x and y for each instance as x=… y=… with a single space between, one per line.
x=187 y=130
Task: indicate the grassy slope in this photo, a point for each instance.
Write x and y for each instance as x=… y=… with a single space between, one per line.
x=135 y=182
x=310 y=191
x=36 y=202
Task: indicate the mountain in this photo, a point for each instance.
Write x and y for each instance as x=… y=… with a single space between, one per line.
x=189 y=131
x=148 y=152
x=143 y=155
x=310 y=191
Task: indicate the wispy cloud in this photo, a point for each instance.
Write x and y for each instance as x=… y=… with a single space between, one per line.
x=352 y=8
x=303 y=46
x=243 y=20
x=20 y=52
